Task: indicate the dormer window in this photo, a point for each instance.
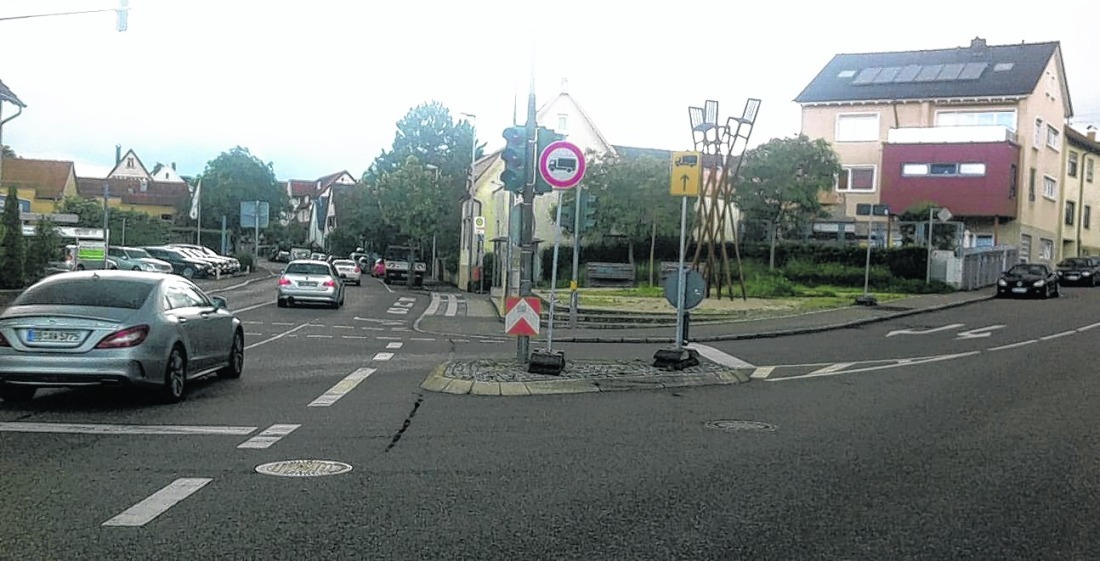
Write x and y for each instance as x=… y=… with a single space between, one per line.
x=130 y=163
x=563 y=123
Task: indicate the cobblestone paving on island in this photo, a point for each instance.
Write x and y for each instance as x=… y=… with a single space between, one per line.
x=488 y=370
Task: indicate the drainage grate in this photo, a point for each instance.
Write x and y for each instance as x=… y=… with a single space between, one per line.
x=739 y=426
x=303 y=468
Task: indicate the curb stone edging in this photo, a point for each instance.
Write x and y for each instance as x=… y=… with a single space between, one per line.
x=437 y=381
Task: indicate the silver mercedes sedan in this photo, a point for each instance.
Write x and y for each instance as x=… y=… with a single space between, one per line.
x=116 y=328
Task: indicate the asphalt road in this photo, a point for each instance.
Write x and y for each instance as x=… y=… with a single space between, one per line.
x=987 y=452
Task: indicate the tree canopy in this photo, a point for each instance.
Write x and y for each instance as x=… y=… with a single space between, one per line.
x=235 y=176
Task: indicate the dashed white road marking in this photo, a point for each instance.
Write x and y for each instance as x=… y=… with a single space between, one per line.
x=1058 y=335
x=342 y=388
x=268 y=437
x=250 y=308
x=73 y=428
x=318 y=336
x=276 y=337
x=1014 y=345
x=832 y=368
x=1088 y=327
x=282 y=323
x=383 y=356
x=762 y=372
x=714 y=355
x=252 y=322
x=253 y=334
x=371 y=328
x=385 y=338
x=452 y=306
x=422 y=339
x=354 y=337
x=828 y=371
x=395 y=345
x=158 y=503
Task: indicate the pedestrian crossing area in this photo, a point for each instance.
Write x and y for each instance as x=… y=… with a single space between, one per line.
x=447 y=304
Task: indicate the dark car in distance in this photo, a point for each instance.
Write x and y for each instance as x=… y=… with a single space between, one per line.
x=1078 y=270
x=1028 y=279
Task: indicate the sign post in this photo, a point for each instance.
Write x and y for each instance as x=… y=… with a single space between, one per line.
x=561 y=165
x=685 y=180
x=944 y=215
x=870 y=211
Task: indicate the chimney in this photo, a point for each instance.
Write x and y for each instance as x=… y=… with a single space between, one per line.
x=173 y=166
x=977 y=44
x=118 y=153
x=1091 y=133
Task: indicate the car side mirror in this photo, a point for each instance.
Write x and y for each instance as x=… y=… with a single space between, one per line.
x=220 y=302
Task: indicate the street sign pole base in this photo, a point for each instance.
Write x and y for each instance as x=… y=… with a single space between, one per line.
x=867 y=300
x=546 y=362
x=676 y=359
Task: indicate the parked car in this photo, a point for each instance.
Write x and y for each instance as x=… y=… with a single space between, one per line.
x=137 y=259
x=116 y=328
x=1078 y=270
x=349 y=271
x=182 y=263
x=1028 y=279
x=231 y=264
x=310 y=281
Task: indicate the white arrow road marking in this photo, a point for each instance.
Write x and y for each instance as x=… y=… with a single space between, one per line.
x=924 y=331
x=268 y=437
x=342 y=388
x=979 y=333
x=158 y=503
x=714 y=355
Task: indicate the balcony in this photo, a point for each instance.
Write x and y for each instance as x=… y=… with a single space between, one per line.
x=971 y=178
x=950 y=135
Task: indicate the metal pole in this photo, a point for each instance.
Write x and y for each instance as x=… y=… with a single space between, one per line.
x=867 y=270
x=574 y=296
x=256 y=238
x=527 y=227
x=224 y=237
x=106 y=230
x=480 y=265
x=198 y=214
x=554 y=279
x=680 y=276
x=928 y=265
x=123 y=240
x=435 y=268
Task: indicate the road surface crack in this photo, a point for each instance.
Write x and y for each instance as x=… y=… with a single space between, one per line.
x=408 y=421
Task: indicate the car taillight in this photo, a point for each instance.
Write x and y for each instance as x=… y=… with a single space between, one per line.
x=329 y=283
x=3 y=341
x=358 y=270
x=283 y=281
x=129 y=337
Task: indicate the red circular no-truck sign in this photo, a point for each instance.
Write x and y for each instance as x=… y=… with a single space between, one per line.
x=562 y=164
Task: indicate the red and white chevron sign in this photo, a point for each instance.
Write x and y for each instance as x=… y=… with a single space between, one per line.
x=521 y=316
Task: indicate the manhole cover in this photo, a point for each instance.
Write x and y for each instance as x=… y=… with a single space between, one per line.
x=303 y=468
x=737 y=426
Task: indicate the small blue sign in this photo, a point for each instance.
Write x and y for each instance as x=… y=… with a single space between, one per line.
x=251 y=210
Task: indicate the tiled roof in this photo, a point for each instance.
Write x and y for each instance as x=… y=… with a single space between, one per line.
x=979 y=70
x=302 y=188
x=485 y=164
x=129 y=191
x=47 y=177
x=329 y=179
x=9 y=96
x=1080 y=139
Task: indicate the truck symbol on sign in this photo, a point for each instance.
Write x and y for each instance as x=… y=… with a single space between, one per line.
x=687 y=160
x=563 y=164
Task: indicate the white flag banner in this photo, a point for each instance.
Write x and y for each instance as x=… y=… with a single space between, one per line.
x=194 y=214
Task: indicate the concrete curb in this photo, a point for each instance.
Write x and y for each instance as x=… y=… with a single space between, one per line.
x=243 y=284
x=776 y=333
x=439 y=382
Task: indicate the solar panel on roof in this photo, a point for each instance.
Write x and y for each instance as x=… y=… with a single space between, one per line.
x=973 y=70
x=887 y=75
x=950 y=71
x=928 y=73
x=866 y=75
x=908 y=73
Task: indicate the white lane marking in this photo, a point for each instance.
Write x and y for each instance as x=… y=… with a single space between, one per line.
x=1058 y=335
x=433 y=305
x=406 y=299
x=422 y=339
x=282 y=323
x=1013 y=345
x=253 y=334
x=371 y=328
x=353 y=327
x=1088 y=327
x=397 y=311
x=395 y=345
x=384 y=338
x=762 y=373
x=250 y=308
x=452 y=306
x=832 y=368
x=71 y=428
x=924 y=331
x=404 y=304
x=277 y=337
x=342 y=388
x=714 y=355
x=354 y=337
x=252 y=322
x=158 y=503
x=979 y=333
x=899 y=364
x=383 y=356
x=318 y=336
x=268 y=437
x=386 y=286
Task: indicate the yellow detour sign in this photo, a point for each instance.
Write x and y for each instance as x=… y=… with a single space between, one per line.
x=687 y=174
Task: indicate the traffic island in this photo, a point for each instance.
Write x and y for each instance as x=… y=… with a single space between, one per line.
x=505 y=378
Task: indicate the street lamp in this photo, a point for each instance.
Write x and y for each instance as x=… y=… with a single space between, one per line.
x=470 y=189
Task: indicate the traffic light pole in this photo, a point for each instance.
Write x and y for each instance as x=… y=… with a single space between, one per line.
x=527 y=226
x=573 y=296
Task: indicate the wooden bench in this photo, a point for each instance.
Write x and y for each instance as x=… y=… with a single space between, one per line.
x=609 y=274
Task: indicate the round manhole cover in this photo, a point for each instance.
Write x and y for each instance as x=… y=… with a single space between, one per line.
x=738 y=426
x=303 y=468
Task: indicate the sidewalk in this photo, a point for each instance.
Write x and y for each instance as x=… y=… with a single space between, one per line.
x=483 y=320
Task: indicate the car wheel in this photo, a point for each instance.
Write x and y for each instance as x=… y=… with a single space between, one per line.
x=136 y=268
x=282 y=303
x=175 y=377
x=17 y=393
x=80 y=267
x=1056 y=291
x=188 y=273
x=236 y=359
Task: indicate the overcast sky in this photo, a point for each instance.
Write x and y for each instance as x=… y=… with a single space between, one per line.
x=316 y=86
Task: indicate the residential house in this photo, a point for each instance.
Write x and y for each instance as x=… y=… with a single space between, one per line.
x=977 y=129
x=40 y=184
x=130 y=186
x=313 y=204
x=1080 y=230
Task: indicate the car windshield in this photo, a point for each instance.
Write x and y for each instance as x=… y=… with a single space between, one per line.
x=87 y=291
x=138 y=254
x=1074 y=263
x=344 y=263
x=307 y=269
x=1027 y=270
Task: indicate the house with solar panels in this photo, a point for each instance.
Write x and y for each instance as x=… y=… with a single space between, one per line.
x=976 y=129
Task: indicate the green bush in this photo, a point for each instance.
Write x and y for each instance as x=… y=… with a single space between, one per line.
x=914 y=286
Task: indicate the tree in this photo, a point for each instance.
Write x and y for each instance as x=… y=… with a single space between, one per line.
x=7 y=152
x=632 y=200
x=12 y=272
x=781 y=182
x=413 y=203
x=44 y=247
x=89 y=212
x=235 y=176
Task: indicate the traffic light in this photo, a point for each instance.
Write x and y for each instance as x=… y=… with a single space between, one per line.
x=544 y=138
x=514 y=155
x=588 y=212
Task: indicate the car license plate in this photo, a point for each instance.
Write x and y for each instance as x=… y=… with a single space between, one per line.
x=1019 y=290
x=52 y=336
x=1072 y=277
x=307 y=283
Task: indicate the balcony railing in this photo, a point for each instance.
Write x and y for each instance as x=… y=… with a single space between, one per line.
x=950 y=135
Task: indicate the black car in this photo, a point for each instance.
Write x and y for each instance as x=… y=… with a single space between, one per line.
x=1078 y=270
x=1028 y=279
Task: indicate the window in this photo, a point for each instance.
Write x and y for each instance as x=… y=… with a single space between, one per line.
x=846 y=74
x=563 y=122
x=1025 y=247
x=857 y=127
x=983 y=240
x=1088 y=169
x=87 y=291
x=1038 y=140
x=1086 y=217
x=1003 y=66
x=1013 y=183
x=972 y=169
x=130 y=163
x=1071 y=164
x=1046 y=249
x=1031 y=185
x=854 y=179
x=1054 y=137
x=1071 y=211
x=976 y=118
x=914 y=169
x=1050 y=187
x=944 y=169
